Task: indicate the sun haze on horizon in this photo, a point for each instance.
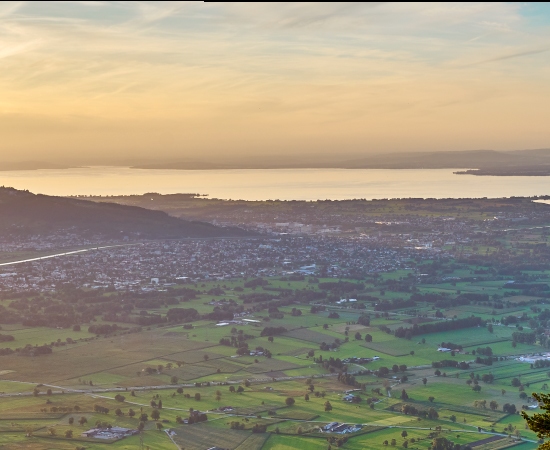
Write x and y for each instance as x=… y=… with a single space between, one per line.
x=98 y=81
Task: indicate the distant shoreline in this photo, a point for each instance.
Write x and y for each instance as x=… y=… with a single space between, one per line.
x=489 y=172
x=507 y=172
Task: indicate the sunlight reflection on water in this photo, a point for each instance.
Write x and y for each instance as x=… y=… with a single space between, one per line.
x=283 y=184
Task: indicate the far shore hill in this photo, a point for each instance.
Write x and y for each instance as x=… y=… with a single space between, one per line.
x=473 y=162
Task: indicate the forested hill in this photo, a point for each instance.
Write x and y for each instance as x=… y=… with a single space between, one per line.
x=25 y=213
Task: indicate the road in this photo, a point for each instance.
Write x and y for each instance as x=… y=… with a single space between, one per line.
x=74 y=252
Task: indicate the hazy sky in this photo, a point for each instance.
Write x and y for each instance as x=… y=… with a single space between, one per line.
x=92 y=79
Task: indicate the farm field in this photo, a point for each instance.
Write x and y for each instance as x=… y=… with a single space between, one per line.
x=273 y=376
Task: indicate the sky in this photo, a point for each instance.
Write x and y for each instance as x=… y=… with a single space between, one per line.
x=106 y=81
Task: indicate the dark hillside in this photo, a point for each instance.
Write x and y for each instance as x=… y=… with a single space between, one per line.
x=25 y=213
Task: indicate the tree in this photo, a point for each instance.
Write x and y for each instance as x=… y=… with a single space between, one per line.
x=432 y=414
x=476 y=388
x=131 y=413
x=306 y=397
x=179 y=390
x=240 y=389
x=231 y=388
x=368 y=338
x=358 y=336
x=424 y=381
x=118 y=412
x=509 y=408
x=404 y=395
x=159 y=426
x=431 y=399
x=52 y=431
x=197 y=396
x=328 y=406
x=71 y=420
x=290 y=401
x=452 y=418
x=540 y=423
x=69 y=434
x=493 y=405
x=174 y=379
x=155 y=415
x=404 y=434
x=442 y=443
x=160 y=404
x=82 y=420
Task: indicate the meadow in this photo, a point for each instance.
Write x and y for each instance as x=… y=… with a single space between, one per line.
x=191 y=367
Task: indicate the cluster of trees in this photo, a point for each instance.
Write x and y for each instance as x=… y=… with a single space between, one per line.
x=273 y=331
x=540 y=363
x=346 y=378
x=437 y=327
x=29 y=350
x=103 y=329
x=524 y=338
x=196 y=417
x=509 y=408
x=334 y=363
x=326 y=347
x=101 y=409
x=341 y=287
x=6 y=338
x=412 y=410
x=487 y=351
x=487 y=361
x=483 y=404
x=397 y=303
x=450 y=363
x=256 y=282
x=180 y=315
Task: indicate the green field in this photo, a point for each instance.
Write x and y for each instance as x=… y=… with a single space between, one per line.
x=160 y=358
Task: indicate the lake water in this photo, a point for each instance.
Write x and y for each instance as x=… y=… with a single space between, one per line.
x=283 y=184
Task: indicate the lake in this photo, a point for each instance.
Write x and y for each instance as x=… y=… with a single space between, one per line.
x=283 y=184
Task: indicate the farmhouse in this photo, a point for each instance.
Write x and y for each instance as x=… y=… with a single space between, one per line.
x=109 y=433
x=335 y=427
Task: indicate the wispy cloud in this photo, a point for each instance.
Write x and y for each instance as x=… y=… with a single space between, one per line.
x=321 y=72
x=520 y=54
